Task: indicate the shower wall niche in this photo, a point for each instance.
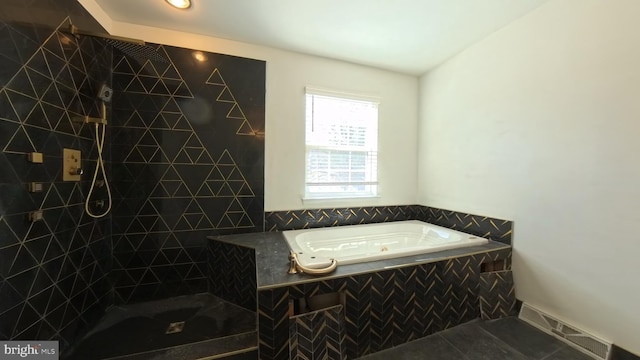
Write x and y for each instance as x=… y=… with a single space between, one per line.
x=188 y=161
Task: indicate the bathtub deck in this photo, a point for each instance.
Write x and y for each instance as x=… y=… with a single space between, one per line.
x=380 y=294
x=272 y=259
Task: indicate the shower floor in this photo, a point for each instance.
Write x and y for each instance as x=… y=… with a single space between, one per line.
x=209 y=327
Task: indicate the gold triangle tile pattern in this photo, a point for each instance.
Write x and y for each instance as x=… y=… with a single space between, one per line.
x=226 y=96
x=54 y=272
x=152 y=77
x=168 y=138
x=49 y=88
x=178 y=175
x=220 y=180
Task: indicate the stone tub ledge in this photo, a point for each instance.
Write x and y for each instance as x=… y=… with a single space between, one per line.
x=272 y=263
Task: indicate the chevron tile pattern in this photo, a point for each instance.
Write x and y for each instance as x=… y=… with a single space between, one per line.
x=491 y=228
x=494 y=229
x=232 y=274
x=53 y=273
x=313 y=218
x=386 y=308
x=318 y=335
x=358 y=310
x=497 y=295
x=179 y=172
x=273 y=323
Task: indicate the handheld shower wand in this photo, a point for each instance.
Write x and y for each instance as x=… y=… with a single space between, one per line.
x=105 y=95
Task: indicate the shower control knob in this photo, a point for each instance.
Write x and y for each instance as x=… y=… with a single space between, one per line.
x=76 y=171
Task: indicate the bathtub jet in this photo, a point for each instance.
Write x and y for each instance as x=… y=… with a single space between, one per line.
x=322 y=248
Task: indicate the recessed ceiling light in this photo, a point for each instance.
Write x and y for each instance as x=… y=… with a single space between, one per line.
x=198 y=55
x=180 y=4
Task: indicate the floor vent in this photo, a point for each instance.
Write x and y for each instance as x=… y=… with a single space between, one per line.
x=587 y=343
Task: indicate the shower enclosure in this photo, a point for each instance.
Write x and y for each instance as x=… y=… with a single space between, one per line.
x=180 y=147
x=178 y=314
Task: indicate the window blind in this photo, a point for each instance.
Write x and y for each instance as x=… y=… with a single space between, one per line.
x=341 y=145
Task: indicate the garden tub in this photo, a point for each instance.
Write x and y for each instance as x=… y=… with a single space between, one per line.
x=351 y=244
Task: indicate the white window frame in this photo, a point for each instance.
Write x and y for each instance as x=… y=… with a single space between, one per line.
x=361 y=188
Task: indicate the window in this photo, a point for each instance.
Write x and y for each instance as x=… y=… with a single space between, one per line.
x=341 y=145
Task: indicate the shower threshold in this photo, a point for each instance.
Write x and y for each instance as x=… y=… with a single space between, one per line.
x=187 y=327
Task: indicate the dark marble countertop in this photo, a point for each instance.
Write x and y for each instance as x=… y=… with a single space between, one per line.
x=272 y=261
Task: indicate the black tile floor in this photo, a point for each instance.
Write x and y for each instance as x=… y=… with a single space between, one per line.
x=503 y=339
x=138 y=331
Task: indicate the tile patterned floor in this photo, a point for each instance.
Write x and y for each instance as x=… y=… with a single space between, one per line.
x=503 y=339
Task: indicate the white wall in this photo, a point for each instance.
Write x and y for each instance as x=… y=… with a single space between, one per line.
x=287 y=75
x=540 y=124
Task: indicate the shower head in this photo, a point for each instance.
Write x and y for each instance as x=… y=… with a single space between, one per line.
x=136 y=50
x=132 y=47
x=105 y=93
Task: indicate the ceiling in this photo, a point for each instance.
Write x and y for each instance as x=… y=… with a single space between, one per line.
x=407 y=36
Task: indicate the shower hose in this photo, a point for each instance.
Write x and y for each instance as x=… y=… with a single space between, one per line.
x=99 y=167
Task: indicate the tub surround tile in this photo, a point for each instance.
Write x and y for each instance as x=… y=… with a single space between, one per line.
x=272 y=259
x=273 y=327
x=495 y=229
x=497 y=295
x=388 y=302
x=318 y=334
x=384 y=309
x=314 y=218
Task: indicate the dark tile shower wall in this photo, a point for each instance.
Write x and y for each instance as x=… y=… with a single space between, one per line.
x=188 y=159
x=53 y=273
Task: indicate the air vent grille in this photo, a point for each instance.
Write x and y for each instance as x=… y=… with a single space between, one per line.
x=581 y=340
